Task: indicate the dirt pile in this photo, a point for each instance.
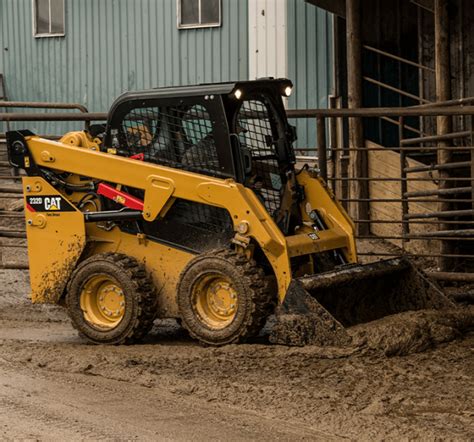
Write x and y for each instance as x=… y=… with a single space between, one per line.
x=413 y=332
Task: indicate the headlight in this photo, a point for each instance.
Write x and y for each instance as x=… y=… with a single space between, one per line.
x=288 y=90
x=238 y=94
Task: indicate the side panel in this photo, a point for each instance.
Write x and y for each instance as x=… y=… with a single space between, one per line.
x=56 y=238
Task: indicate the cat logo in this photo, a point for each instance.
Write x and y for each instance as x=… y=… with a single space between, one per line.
x=53 y=203
x=48 y=203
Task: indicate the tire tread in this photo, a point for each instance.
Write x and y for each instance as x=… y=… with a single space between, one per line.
x=144 y=290
x=262 y=300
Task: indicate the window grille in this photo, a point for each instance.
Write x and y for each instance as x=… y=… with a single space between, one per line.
x=171 y=136
x=178 y=137
x=257 y=136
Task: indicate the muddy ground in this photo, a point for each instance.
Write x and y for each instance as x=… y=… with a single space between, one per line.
x=407 y=376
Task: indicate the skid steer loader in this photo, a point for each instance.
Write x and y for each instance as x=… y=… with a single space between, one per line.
x=187 y=205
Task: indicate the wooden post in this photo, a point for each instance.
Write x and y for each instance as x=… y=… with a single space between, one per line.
x=358 y=159
x=443 y=123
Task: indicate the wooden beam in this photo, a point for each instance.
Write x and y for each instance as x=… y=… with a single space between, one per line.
x=359 y=159
x=337 y=7
x=444 y=123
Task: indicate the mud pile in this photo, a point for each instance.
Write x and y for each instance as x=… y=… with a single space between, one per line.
x=396 y=335
x=413 y=332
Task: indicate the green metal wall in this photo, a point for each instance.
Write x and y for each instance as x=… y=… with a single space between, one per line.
x=116 y=45
x=310 y=63
x=112 y=46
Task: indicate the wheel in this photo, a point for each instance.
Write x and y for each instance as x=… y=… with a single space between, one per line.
x=223 y=298
x=111 y=300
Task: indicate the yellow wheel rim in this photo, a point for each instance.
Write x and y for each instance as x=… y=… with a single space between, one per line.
x=102 y=302
x=215 y=301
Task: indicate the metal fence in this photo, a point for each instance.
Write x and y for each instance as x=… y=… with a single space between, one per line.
x=416 y=198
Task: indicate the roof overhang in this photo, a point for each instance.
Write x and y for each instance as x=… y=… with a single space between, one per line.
x=337 y=7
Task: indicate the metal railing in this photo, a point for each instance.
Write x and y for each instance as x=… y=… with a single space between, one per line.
x=426 y=227
x=33 y=116
x=413 y=190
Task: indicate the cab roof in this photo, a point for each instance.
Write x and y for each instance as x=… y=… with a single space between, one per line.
x=203 y=89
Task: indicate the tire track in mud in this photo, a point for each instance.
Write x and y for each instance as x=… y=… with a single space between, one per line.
x=80 y=407
x=297 y=392
x=40 y=422
x=33 y=410
x=334 y=390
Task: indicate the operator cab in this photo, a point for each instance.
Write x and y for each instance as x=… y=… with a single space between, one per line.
x=233 y=130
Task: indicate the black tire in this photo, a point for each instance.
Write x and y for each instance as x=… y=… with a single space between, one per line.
x=255 y=298
x=136 y=288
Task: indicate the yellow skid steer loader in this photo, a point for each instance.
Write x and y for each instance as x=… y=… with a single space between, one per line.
x=187 y=205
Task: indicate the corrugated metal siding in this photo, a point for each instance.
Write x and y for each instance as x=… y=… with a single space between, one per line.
x=267 y=38
x=116 y=45
x=310 y=63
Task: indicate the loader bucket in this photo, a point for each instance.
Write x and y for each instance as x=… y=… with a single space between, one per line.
x=318 y=308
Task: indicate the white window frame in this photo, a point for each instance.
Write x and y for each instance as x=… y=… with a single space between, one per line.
x=49 y=34
x=197 y=25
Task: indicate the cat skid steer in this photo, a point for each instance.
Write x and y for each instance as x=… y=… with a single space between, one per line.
x=187 y=205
